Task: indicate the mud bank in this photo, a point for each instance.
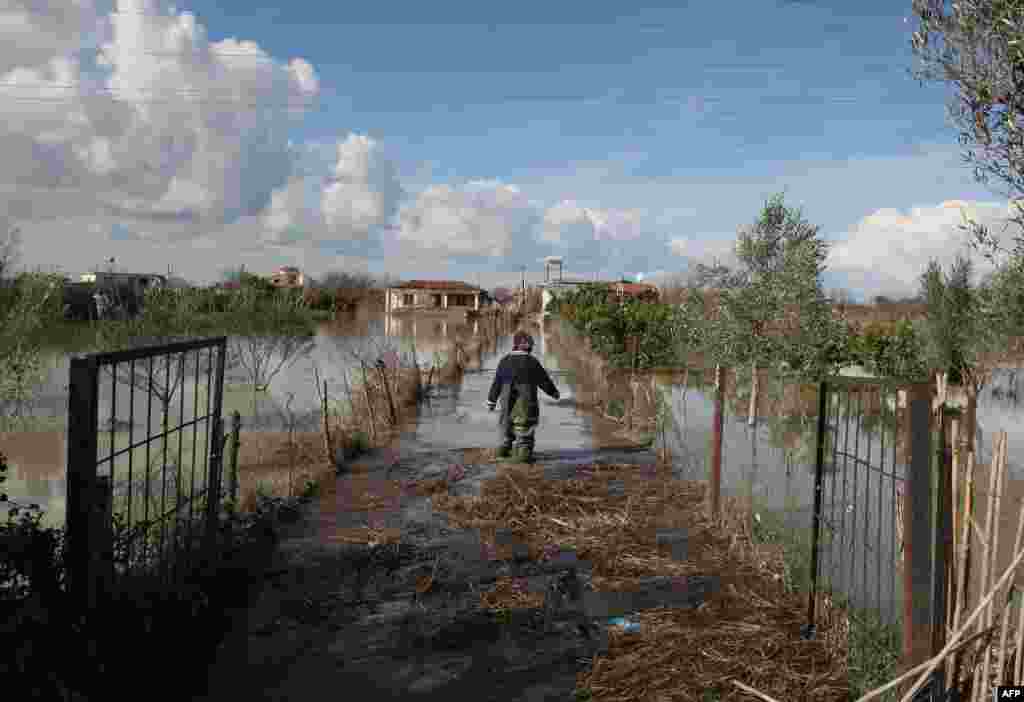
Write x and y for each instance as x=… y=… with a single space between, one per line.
x=376 y=591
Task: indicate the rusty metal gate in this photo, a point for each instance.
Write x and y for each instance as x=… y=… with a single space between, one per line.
x=137 y=507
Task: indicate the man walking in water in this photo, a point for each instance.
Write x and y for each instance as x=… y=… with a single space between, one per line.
x=516 y=381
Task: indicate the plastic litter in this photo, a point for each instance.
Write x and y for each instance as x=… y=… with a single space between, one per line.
x=624 y=624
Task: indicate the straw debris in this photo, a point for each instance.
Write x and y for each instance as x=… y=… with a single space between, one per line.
x=748 y=631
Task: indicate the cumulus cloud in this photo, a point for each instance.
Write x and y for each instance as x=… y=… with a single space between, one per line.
x=482 y=218
x=568 y=220
x=358 y=194
x=169 y=126
x=364 y=192
x=886 y=251
x=34 y=31
x=706 y=251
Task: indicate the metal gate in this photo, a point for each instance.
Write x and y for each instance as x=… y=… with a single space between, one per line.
x=147 y=498
x=875 y=447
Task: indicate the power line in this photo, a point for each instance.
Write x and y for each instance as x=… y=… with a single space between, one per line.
x=182 y=99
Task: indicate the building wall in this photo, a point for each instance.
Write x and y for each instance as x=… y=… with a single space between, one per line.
x=288 y=279
x=397 y=299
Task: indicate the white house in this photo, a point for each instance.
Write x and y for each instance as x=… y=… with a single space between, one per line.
x=423 y=295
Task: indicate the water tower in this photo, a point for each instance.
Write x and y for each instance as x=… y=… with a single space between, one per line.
x=549 y=263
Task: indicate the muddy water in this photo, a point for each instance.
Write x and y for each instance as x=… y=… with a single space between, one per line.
x=772 y=465
x=36 y=446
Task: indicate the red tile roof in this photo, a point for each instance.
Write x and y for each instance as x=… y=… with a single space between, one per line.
x=636 y=288
x=438 y=285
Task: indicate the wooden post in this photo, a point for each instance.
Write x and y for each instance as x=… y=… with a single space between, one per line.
x=83 y=416
x=236 y=443
x=633 y=348
x=101 y=547
x=943 y=557
x=754 y=389
x=369 y=403
x=715 y=479
x=328 y=454
x=918 y=595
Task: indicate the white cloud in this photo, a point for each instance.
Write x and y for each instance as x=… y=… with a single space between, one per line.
x=170 y=125
x=568 y=220
x=365 y=190
x=705 y=251
x=886 y=251
x=482 y=218
x=356 y=195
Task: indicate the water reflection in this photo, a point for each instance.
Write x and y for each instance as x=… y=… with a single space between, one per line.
x=181 y=395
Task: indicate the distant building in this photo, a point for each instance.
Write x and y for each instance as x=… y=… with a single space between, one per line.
x=433 y=295
x=137 y=282
x=641 y=291
x=288 y=277
x=124 y=291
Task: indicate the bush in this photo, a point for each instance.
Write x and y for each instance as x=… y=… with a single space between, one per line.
x=610 y=324
x=895 y=351
x=58 y=655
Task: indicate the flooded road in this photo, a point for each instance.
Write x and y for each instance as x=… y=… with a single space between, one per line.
x=455 y=415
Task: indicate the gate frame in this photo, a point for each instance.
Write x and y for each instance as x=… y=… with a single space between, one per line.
x=925 y=537
x=88 y=517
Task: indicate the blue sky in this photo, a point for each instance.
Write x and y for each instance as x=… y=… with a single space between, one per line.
x=664 y=126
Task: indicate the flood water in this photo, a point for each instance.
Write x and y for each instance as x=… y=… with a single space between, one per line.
x=771 y=464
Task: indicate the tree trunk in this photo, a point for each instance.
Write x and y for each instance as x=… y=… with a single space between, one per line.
x=971 y=416
x=715 y=479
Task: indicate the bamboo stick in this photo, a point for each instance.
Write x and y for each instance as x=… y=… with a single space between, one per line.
x=961 y=570
x=1006 y=613
x=903 y=677
x=986 y=550
x=952 y=643
x=1018 y=673
x=982 y=676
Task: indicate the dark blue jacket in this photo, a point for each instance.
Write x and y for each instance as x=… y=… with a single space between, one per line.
x=519 y=374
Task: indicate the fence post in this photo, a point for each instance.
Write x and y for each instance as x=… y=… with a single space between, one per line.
x=715 y=479
x=236 y=442
x=633 y=347
x=101 y=537
x=943 y=556
x=819 y=471
x=918 y=603
x=216 y=459
x=83 y=415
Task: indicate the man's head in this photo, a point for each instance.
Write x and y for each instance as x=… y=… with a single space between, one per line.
x=522 y=342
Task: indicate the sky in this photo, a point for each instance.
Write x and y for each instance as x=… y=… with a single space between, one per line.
x=468 y=140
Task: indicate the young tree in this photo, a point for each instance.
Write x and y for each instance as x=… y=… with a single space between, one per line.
x=776 y=286
x=956 y=330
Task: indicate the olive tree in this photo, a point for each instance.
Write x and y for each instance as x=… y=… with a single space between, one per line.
x=965 y=322
x=976 y=46
x=771 y=306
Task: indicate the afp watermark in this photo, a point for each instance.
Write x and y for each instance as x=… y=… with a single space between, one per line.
x=1008 y=692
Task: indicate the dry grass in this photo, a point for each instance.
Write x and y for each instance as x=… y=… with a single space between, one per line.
x=748 y=631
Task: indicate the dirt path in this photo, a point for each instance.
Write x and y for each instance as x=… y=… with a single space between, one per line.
x=337 y=616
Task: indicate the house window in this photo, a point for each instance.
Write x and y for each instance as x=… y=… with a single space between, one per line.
x=407 y=300
x=437 y=300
